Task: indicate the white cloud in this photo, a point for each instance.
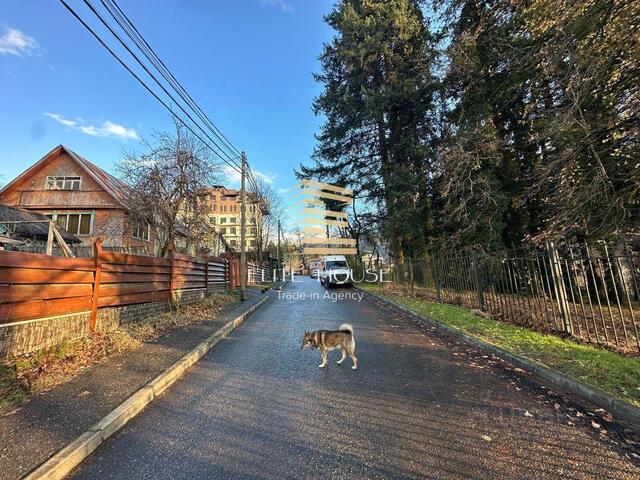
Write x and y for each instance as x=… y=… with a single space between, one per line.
x=284 y=6
x=15 y=42
x=283 y=190
x=264 y=176
x=233 y=176
x=106 y=129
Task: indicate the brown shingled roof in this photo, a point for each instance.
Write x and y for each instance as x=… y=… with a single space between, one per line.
x=114 y=186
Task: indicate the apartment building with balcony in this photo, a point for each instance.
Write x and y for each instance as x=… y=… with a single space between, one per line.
x=223 y=205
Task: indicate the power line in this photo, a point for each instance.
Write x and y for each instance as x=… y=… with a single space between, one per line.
x=132 y=32
x=146 y=87
x=122 y=42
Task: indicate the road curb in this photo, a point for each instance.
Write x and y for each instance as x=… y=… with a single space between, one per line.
x=620 y=409
x=65 y=460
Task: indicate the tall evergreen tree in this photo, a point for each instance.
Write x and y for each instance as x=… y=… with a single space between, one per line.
x=377 y=100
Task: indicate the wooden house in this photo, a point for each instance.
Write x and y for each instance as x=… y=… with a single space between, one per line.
x=86 y=201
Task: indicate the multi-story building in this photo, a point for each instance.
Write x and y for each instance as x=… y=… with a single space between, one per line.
x=223 y=206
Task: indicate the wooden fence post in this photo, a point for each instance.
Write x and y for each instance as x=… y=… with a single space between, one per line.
x=436 y=279
x=206 y=275
x=172 y=273
x=478 y=278
x=559 y=288
x=97 y=276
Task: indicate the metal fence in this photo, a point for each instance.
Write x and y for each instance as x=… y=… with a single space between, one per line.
x=589 y=291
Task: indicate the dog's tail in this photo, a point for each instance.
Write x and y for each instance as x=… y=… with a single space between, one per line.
x=346 y=328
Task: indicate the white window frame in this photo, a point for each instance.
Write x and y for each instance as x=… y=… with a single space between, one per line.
x=64 y=179
x=136 y=226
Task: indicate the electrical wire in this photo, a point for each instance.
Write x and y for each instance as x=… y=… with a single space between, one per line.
x=132 y=32
x=122 y=42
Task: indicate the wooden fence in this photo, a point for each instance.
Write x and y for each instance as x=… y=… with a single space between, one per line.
x=35 y=285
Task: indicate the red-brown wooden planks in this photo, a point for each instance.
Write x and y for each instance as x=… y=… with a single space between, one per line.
x=36 y=260
x=113 y=257
x=34 y=285
x=110 y=277
x=120 y=267
x=21 y=293
x=133 y=298
x=188 y=271
x=190 y=265
x=10 y=312
x=113 y=289
x=33 y=276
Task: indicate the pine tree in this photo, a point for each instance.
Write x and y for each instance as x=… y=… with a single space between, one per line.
x=377 y=100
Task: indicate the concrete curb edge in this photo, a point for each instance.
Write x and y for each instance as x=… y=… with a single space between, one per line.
x=66 y=459
x=620 y=409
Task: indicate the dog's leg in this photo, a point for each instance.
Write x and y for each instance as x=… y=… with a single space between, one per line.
x=352 y=356
x=344 y=355
x=324 y=359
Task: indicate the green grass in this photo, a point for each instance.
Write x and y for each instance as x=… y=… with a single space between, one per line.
x=11 y=392
x=612 y=373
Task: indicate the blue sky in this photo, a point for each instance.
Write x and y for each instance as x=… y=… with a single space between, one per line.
x=248 y=63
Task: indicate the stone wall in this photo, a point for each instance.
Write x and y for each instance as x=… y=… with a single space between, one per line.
x=32 y=335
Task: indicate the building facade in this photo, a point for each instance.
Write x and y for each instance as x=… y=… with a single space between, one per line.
x=223 y=207
x=84 y=200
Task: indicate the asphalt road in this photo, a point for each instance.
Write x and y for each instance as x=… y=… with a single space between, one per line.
x=257 y=407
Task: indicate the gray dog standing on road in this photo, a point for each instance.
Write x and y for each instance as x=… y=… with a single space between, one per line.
x=327 y=340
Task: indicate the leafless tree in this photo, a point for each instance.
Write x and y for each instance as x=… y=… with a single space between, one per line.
x=165 y=181
x=273 y=209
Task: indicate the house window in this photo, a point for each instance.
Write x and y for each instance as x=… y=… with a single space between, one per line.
x=212 y=219
x=63 y=183
x=233 y=243
x=141 y=231
x=232 y=219
x=253 y=243
x=223 y=230
x=75 y=223
x=253 y=231
x=223 y=220
x=233 y=230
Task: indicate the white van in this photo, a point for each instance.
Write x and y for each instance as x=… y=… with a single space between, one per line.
x=335 y=271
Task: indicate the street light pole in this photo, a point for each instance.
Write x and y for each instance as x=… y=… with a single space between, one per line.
x=243 y=206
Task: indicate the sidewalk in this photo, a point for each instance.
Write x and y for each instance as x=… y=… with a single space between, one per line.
x=48 y=422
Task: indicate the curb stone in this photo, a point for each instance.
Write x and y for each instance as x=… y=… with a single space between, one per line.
x=620 y=409
x=66 y=459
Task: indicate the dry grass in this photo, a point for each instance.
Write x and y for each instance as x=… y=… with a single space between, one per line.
x=38 y=372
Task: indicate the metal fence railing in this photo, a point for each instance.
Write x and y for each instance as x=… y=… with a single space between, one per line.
x=587 y=291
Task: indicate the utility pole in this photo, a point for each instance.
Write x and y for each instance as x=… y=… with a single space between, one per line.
x=243 y=206
x=278 y=251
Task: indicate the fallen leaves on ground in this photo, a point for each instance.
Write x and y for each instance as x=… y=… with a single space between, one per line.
x=40 y=371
